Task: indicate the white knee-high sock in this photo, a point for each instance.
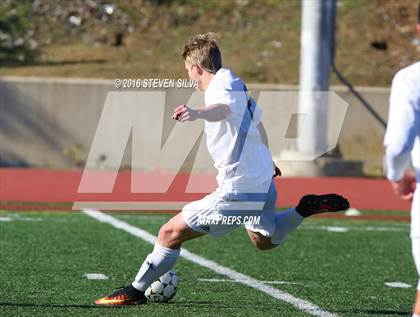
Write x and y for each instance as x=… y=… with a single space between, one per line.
x=286 y=222
x=157 y=263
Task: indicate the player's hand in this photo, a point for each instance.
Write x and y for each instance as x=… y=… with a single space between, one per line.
x=405 y=187
x=183 y=113
x=277 y=171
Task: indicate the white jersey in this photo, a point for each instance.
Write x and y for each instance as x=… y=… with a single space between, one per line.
x=235 y=144
x=403 y=131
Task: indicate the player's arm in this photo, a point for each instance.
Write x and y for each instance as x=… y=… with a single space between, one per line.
x=263 y=133
x=399 y=138
x=397 y=160
x=213 y=113
x=264 y=139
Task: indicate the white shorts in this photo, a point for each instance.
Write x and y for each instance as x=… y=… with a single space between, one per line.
x=219 y=213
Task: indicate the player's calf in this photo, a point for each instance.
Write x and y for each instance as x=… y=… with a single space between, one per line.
x=261 y=242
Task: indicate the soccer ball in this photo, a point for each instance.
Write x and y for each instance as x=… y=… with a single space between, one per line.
x=163 y=289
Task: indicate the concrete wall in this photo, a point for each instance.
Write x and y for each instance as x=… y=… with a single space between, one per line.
x=51 y=122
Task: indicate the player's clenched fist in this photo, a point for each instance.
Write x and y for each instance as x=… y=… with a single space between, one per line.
x=183 y=113
x=277 y=171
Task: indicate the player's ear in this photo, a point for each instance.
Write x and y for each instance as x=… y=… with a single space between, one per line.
x=199 y=69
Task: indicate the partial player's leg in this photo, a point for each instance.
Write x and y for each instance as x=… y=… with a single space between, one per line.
x=415 y=243
x=287 y=221
x=260 y=241
x=284 y=223
x=273 y=227
x=176 y=231
x=163 y=257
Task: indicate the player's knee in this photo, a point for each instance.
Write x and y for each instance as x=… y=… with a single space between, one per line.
x=167 y=234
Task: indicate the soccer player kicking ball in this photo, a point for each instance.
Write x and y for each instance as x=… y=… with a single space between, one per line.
x=237 y=142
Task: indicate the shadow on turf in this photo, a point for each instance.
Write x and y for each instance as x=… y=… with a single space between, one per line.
x=219 y=305
x=49 y=305
x=209 y=304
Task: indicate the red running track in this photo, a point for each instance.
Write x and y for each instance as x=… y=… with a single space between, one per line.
x=61 y=186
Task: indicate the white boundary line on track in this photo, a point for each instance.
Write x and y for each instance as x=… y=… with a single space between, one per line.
x=354 y=228
x=128 y=205
x=300 y=304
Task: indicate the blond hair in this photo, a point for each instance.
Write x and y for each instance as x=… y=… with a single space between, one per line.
x=202 y=50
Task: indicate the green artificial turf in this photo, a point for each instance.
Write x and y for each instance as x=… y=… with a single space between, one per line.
x=44 y=256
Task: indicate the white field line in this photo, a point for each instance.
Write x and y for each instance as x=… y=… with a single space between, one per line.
x=96 y=276
x=18 y=218
x=398 y=285
x=154 y=205
x=300 y=304
x=222 y=280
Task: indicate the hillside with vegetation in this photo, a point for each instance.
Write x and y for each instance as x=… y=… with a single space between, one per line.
x=260 y=39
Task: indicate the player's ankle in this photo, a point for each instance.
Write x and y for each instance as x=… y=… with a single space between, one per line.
x=134 y=291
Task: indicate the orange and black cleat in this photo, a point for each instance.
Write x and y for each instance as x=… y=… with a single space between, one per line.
x=126 y=295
